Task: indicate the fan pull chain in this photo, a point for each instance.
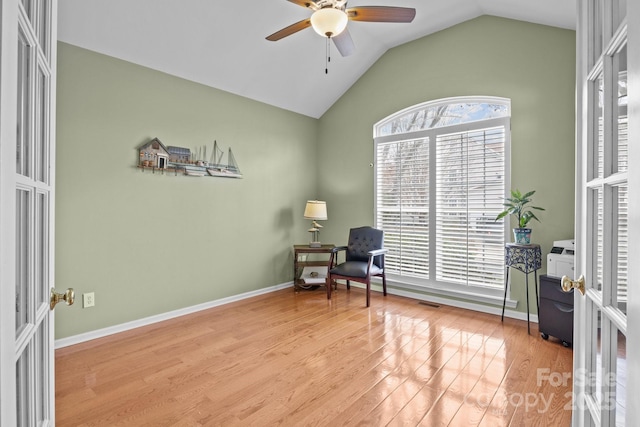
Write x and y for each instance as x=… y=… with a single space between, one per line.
x=328 y=56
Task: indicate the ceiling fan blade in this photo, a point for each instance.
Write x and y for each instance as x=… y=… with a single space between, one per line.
x=305 y=3
x=344 y=43
x=381 y=14
x=291 y=29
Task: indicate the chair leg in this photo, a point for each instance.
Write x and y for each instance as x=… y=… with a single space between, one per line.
x=368 y=291
x=348 y=284
x=384 y=284
x=328 y=286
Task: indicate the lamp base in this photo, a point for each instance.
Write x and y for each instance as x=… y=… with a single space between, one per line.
x=315 y=244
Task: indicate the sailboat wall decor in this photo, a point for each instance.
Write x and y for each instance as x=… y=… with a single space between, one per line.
x=217 y=168
x=156 y=156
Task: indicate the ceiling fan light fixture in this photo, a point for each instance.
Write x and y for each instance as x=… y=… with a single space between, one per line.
x=329 y=22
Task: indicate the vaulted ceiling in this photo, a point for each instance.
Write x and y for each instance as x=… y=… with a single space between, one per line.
x=222 y=43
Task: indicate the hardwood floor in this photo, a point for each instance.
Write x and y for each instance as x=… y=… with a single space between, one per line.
x=296 y=359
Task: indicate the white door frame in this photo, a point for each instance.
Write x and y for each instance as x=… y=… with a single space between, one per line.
x=633 y=307
x=8 y=99
x=37 y=331
x=588 y=337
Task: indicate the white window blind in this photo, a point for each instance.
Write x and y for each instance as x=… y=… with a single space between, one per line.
x=403 y=205
x=439 y=187
x=469 y=189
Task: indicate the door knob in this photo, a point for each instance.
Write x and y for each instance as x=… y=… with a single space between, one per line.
x=68 y=296
x=568 y=284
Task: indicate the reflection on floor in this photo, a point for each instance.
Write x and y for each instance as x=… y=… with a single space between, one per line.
x=289 y=358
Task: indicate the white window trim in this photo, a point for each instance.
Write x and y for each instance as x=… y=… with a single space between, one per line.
x=478 y=294
x=441 y=102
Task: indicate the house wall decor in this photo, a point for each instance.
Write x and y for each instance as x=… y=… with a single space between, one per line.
x=179 y=154
x=155 y=155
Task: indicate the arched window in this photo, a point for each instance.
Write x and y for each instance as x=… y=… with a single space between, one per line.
x=441 y=175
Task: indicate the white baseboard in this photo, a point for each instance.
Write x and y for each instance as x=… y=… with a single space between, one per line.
x=467 y=305
x=99 y=333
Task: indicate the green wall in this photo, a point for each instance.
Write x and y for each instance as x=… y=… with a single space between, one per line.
x=533 y=65
x=149 y=243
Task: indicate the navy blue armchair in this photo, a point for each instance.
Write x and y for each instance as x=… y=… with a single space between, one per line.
x=364 y=258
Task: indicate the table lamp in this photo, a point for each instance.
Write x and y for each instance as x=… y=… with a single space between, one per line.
x=315 y=211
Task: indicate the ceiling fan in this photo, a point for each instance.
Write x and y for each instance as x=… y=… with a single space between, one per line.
x=330 y=17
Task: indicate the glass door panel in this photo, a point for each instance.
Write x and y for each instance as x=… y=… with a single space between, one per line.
x=597 y=208
x=23 y=152
x=28 y=7
x=42 y=249
x=620 y=110
x=23 y=248
x=41 y=126
x=41 y=369
x=596 y=35
x=22 y=389
x=594 y=366
x=620 y=247
x=42 y=25
x=619 y=12
x=621 y=380
x=597 y=151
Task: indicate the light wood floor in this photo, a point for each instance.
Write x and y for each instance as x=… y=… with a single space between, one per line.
x=296 y=359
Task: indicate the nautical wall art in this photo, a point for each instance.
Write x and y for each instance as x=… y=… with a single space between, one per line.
x=157 y=157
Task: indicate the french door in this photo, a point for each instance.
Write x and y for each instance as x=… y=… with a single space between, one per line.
x=27 y=133
x=608 y=195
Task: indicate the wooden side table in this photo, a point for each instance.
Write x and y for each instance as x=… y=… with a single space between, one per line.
x=526 y=258
x=298 y=282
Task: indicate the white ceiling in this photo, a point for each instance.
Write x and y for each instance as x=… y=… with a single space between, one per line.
x=222 y=43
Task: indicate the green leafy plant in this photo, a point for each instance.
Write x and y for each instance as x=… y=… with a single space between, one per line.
x=516 y=205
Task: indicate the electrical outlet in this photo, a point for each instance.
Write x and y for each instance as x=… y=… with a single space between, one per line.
x=88 y=300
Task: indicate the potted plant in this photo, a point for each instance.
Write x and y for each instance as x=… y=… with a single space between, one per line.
x=516 y=205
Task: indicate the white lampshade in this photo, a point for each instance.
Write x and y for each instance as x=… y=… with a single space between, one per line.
x=315 y=210
x=329 y=22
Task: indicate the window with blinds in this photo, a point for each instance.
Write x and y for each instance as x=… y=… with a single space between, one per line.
x=439 y=185
x=469 y=190
x=402 y=183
